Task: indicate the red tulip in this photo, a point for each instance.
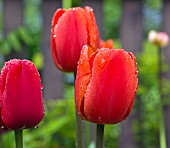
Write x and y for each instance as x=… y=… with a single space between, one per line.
x=108 y=44
x=21 y=104
x=106 y=85
x=71 y=29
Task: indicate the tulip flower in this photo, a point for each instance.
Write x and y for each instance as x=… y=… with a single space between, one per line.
x=160 y=39
x=21 y=104
x=107 y=44
x=71 y=29
x=106 y=85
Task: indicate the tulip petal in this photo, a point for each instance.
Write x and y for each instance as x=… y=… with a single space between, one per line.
x=93 y=33
x=108 y=44
x=70 y=44
x=55 y=19
x=82 y=79
x=111 y=88
x=22 y=103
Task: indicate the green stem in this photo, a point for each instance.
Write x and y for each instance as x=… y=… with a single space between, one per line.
x=18 y=139
x=79 y=132
x=162 y=133
x=67 y=4
x=79 y=129
x=100 y=136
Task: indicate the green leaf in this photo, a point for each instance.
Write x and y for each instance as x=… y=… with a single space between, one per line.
x=24 y=34
x=5 y=48
x=48 y=128
x=37 y=59
x=14 y=41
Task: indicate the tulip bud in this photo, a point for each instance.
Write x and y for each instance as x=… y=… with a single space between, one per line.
x=71 y=29
x=106 y=85
x=158 y=38
x=108 y=44
x=21 y=104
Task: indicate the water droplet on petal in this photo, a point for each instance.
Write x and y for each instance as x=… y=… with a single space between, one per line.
x=102 y=62
x=99 y=119
x=54 y=35
x=36 y=126
x=2 y=127
x=42 y=86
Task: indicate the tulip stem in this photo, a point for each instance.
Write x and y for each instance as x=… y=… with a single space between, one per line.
x=100 y=136
x=162 y=131
x=79 y=129
x=18 y=139
x=67 y=4
x=79 y=132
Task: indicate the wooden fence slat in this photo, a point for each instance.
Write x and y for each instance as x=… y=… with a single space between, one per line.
x=132 y=25
x=13 y=14
x=52 y=77
x=13 y=18
x=131 y=37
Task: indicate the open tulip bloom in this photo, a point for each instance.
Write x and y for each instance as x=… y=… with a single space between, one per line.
x=21 y=103
x=71 y=29
x=106 y=85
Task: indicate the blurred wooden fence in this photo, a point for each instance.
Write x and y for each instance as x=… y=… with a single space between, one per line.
x=131 y=36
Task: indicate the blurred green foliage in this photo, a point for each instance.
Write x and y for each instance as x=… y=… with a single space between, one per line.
x=148 y=125
x=113 y=11
x=56 y=130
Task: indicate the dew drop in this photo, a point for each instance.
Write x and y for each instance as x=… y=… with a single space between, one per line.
x=54 y=35
x=42 y=86
x=102 y=62
x=36 y=126
x=81 y=61
x=99 y=119
x=2 y=127
x=91 y=10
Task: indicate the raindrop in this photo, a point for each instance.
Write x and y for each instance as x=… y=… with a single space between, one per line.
x=42 y=86
x=91 y=10
x=36 y=126
x=54 y=35
x=2 y=127
x=102 y=62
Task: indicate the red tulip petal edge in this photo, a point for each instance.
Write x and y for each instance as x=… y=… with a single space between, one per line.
x=71 y=29
x=21 y=102
x=106 y=85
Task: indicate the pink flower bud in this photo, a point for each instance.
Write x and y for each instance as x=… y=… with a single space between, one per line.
x=158 y=38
